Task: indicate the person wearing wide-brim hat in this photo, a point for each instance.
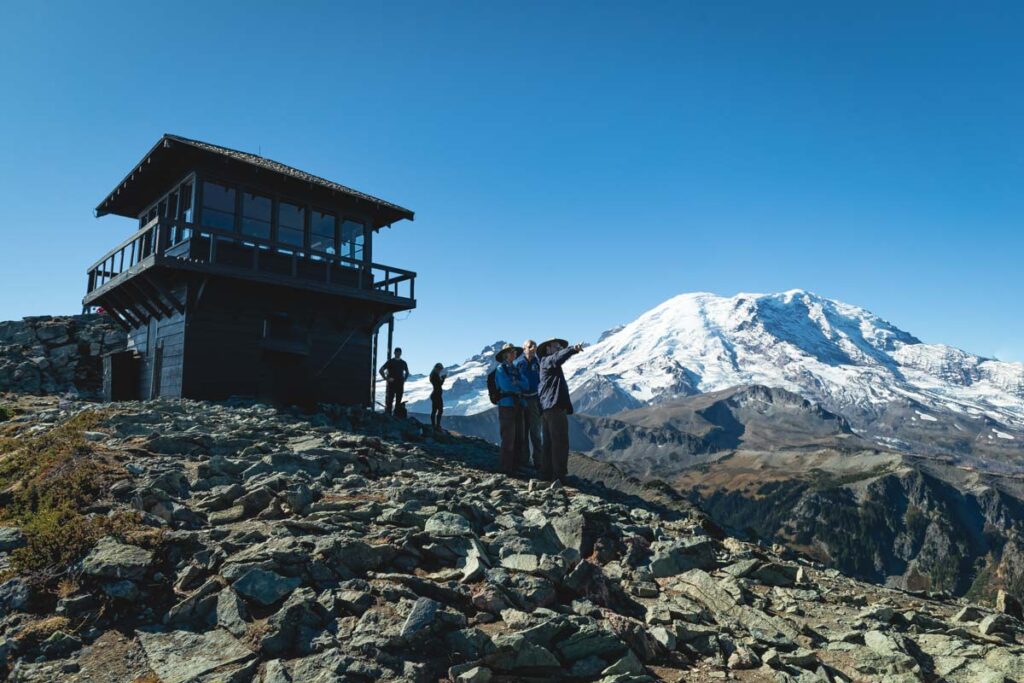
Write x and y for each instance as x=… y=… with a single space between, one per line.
x=555 y=405
x=511 y=388
x=551 y=345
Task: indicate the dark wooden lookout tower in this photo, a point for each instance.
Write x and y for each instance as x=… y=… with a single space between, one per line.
x=245 y=277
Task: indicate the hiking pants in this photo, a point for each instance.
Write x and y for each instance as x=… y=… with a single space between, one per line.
x=556 y=444
x=436 y=410
x=393 y=395
x=510 y=422
x=533 y=426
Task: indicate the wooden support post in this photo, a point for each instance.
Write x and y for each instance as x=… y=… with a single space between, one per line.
x=114 y=301
x=156 y=295
x=144 y=298
x=127 y=307
x=373 y=369
x=158 y=287
x=391 y=335
x=113 y=313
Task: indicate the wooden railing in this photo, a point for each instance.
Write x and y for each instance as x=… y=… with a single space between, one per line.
x=192 y=243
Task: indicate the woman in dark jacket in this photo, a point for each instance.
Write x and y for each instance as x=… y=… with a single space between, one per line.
x=436 y=401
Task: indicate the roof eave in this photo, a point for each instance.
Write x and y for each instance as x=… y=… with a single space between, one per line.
x=164 y=141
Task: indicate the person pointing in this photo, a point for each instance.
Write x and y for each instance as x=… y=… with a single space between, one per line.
x=555 y=405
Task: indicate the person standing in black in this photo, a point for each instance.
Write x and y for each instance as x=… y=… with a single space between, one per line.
x=395 y=372
x=555 y=406
x=437 y=378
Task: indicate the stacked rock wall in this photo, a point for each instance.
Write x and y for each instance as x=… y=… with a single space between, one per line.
x=56 y=354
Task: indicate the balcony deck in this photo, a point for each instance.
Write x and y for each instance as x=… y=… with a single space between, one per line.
x=189 y=247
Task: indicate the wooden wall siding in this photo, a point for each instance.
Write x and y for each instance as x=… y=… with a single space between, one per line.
x=168 y=335
x=226 y=353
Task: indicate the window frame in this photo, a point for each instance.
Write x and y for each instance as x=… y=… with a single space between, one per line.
x=341 y=214
x=284 y=199
x=174 y=187
x=234 y=187
x=354 y=218
x=242 y=191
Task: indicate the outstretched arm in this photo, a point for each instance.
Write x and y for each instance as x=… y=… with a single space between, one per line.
x=563 y=355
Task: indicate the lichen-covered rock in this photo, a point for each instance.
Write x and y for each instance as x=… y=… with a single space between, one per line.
x=265 y=587
x=111 y=559
x=181 y=656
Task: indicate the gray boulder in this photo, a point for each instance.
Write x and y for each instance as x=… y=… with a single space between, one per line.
x=292 y=629
x=11 y=538
x=231 y=613
x=111 y=559
x=182 y=656
x=448 y=524
x=14 y=595
x=265 y=587
x=675 y=557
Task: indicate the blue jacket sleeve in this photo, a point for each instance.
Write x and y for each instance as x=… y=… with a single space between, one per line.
x=504 y=381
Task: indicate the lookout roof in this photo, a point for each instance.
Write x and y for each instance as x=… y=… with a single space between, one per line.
x=173 y=156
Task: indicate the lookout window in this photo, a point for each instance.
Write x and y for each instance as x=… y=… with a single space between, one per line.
x=352 y=235
x=218 y=206
x=256 y=215
x=291 y=224
x=321 y=232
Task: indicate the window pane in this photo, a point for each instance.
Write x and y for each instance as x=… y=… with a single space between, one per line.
x=291 y=224
x=172 y=205
x=322 y=232
x=255 y=215
x=352 y=239
x=218 y=206
x=186 y=202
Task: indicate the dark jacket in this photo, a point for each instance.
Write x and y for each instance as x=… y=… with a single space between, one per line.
x=395 y=368
x=530 y=371
x=437 y=382
x=510 y=384
x=553 y=390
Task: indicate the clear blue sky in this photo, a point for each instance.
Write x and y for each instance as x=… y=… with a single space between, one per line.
x=571 y=164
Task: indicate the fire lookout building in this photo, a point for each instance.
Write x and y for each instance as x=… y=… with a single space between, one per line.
x=245 y=277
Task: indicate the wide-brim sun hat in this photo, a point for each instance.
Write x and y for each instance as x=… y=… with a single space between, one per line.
x=500 y=355
x=542 y=348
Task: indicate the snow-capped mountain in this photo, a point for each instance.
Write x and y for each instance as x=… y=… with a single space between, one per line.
x=843 y=357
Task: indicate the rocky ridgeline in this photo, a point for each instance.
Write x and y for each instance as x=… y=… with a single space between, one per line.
x=56 y=354
x=347 y=547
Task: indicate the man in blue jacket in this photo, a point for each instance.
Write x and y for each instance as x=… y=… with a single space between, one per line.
x=510 y=417
x=554 y=402
x=529 y=368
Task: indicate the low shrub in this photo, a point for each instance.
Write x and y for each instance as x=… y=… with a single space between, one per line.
x=48 y=481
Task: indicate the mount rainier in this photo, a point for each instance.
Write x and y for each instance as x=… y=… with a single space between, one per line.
x=840 y=356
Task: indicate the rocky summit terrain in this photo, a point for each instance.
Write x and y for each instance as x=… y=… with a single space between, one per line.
x=177 y=541
x=767 y=463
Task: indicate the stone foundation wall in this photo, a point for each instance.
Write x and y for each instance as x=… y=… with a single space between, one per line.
x=56 y=354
